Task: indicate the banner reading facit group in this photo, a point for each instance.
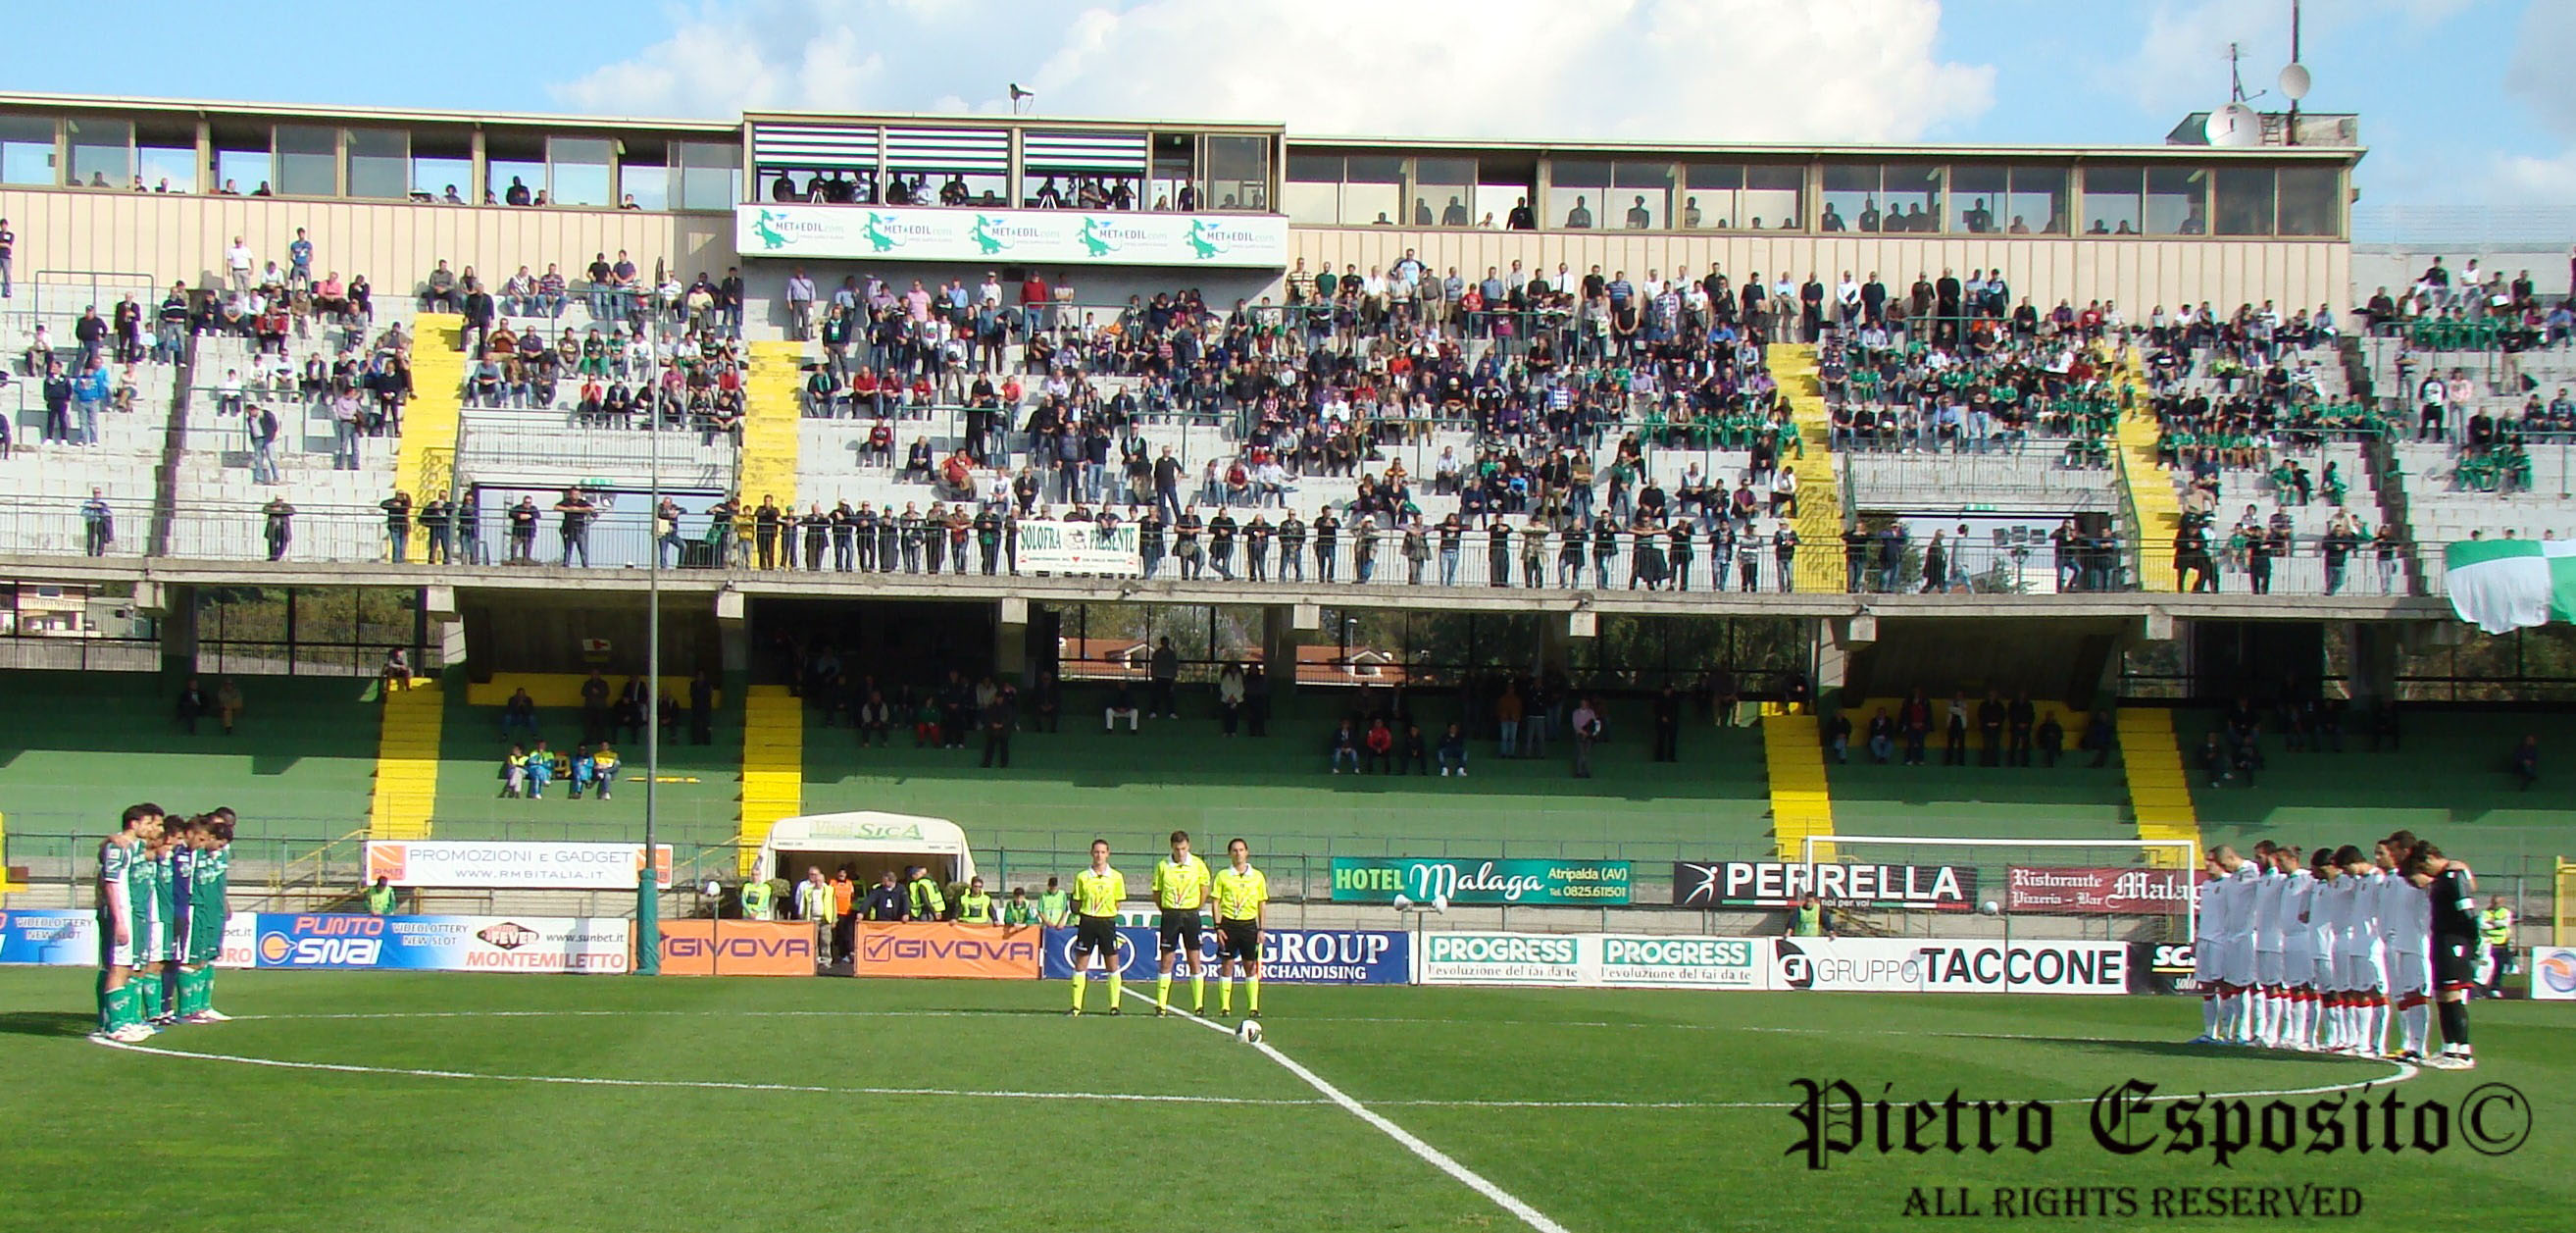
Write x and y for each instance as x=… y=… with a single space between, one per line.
x=1379 y=879
x=445 y=943
x=1288 y=956
x=964 y=233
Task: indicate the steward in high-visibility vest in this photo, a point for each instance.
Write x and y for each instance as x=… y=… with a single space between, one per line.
x=975 y=907
x=755 y=900
x=1055 y=907
x=924 y=900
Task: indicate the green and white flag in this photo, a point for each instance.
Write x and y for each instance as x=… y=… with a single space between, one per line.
x=2507 y=584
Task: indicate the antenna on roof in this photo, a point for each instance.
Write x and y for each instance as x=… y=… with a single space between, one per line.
x=2295 y=80
x=1018 y=96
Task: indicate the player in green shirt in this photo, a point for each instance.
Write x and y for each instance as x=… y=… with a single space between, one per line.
x=178 y=869
x=208 y=889
x=1242 y=897
x=119 y=931
x=1096 y=894
x=143 y=881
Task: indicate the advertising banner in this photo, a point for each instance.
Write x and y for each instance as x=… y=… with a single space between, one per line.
x=1288 y=956
x=1678 y=963
x=1069 y=237
x=2096 y=891
x=445 y=943
x=737 y=948
x=2553 y=973
x=1780 y=884
x=947 y=949
x=58 y=937
x=1502 y=959
x=1912 y=965
x=1379 y=879
x=1080 y=548
x=505 y=865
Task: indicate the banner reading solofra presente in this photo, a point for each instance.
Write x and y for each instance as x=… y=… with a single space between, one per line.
x=1068 y=237
x=444 y=943
x=1379 y=879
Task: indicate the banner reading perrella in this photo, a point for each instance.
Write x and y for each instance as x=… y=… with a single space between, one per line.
x=1079 y=548
x=1379 y=879
x=2089 y=891
x=1780 y=884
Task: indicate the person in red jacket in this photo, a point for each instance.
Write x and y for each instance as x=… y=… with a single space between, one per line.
x=1380 y=744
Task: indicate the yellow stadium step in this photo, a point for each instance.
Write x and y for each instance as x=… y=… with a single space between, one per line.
x=2150 y=483
x=773 y=765
x=425 y=465
x=771 y=423
x=406 y=792
x=2159 y=790
x=1801 y=805
x=1820 y=565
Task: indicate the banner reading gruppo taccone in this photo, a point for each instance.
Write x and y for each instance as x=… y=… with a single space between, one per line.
x=1474 y=880
x=1780 y=884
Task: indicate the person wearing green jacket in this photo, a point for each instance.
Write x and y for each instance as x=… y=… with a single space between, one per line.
x=1019 y=910
x=380 y=898
x=923 y=898
x=1055 y=908
x=755 y=899
x=975 y=907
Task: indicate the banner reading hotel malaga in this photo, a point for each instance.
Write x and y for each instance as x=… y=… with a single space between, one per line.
x=1780 y=884
x=1379 y=879
x=505 y=865
x=2092 y=891
x=1070 y=237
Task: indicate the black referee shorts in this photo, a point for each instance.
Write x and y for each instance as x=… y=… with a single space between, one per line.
x=1238 y=939
x=1180 y=934
x=1096 y=935
x=2455 y=963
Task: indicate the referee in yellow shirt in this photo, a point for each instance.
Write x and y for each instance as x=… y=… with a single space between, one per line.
x=1242 y=898
x=1096 y=893
x=1180 y=890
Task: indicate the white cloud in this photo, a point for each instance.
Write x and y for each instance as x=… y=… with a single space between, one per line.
x=2180 y=63
x=1865 y=70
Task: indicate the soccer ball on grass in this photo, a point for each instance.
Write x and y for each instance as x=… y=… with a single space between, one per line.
x=1249 y=1031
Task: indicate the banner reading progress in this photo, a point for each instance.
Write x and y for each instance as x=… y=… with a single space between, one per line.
x=1379 y=879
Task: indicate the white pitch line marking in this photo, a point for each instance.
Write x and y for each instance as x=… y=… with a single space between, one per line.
x=1430 y=1155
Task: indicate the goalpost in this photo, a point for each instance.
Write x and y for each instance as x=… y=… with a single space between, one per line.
x=2139 y=873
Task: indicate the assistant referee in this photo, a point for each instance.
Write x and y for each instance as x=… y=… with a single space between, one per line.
x=1242 y=897
x=1096 y=894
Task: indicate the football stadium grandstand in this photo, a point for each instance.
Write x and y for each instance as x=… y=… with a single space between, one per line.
x=1761 y=454
x=1530 y=549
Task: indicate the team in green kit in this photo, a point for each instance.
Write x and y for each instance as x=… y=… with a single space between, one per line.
x=161 y=890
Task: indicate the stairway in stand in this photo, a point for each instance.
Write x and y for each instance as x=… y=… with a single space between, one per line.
x=406 y=793
x=773 y=766
x=770 y=422
x=2159 y=795
x=1820 y=564
x=1802 y=805
x=426 y=464
x=2151 y=485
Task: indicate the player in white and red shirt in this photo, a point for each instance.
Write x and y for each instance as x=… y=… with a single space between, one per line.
x=2406 y=941
x=2223 y=947
x=2357 y=955
x=2266 y=995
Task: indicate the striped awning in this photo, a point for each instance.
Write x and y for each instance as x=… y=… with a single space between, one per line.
x=811 y=147
x=1122 y=153
x=962 y=150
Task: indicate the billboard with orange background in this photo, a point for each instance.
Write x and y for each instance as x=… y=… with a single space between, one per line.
x=948 y=950
x=737 y=948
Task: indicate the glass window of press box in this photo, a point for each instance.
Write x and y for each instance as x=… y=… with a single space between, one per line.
x=2007 y=199
x=102 y=151
x=1238 y=173
x=1444 y=192
x=1577 y=193
x=1741 y=197
x=27 y=151
x=2159 y=199
x=1898 y=197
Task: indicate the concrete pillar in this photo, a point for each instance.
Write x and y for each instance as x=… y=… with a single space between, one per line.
x=176 y=615
x=2375 y=649
x=1011 y=639
x=446 y=624
x=733 y=634
x=1836 y=643
x=1281 y=628
x=1556 y=641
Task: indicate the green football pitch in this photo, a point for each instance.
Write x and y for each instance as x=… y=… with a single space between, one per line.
x=365 y=1101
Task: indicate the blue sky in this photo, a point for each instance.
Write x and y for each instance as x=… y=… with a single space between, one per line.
x=2495 y=126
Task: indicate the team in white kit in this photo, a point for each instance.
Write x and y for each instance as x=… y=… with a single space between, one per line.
x=2309 y=957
